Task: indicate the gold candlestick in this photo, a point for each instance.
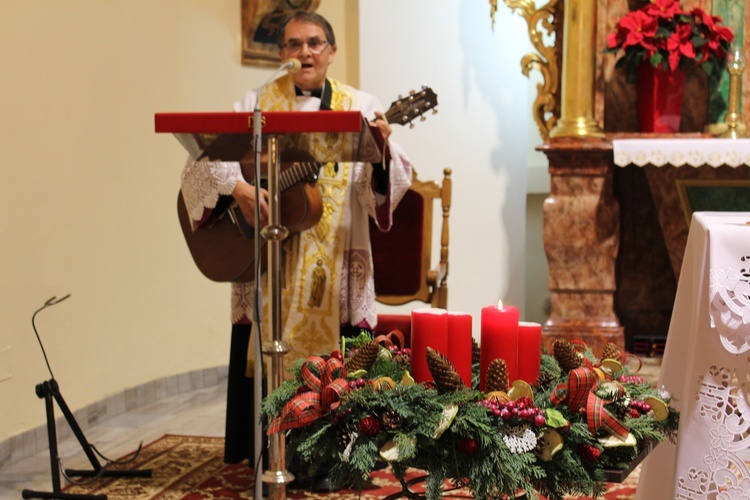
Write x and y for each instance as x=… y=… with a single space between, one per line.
x=733 y=119
x=732 y=128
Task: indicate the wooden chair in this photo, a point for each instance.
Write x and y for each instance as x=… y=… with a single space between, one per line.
x=402 y=257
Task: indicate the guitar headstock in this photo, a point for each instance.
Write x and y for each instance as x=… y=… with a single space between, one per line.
x=416 y=104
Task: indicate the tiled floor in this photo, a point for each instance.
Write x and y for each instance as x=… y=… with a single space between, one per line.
x=199 y=412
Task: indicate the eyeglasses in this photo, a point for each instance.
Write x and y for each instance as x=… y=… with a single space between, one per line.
x=314 y=45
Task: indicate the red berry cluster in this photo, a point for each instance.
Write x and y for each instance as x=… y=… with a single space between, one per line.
x=589 y=452
x=637 y=408
x=337 y=354
x=396 y=350
x=631 y=379
x=357 y=384
x=522 y=409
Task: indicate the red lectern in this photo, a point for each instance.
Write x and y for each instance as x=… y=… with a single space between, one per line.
x=229 y=136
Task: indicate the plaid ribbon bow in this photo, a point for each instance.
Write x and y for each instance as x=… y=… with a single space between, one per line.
x=324 y=395
x=579 y=393
x=394 y=337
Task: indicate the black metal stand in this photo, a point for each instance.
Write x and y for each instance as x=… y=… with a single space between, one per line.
x=48 y=391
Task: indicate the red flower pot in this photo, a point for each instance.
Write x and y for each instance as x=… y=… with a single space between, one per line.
x=659 y=99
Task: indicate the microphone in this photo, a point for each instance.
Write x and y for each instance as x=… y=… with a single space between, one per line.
x=291 y=66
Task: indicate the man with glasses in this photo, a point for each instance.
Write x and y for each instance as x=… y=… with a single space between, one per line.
x=327 y=270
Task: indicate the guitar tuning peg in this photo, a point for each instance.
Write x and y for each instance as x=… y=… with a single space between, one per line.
x=411 y=92
x=424 y=87
x=411 y=125
x=400 y=97
x=422 y=118
x=434 y=111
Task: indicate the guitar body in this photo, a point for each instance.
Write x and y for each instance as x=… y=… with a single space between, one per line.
x=225 y=251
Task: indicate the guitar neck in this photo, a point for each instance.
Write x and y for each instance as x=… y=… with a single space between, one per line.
x=297 y=173
x=401 y=112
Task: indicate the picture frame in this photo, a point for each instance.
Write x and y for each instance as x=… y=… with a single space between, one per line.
x=260 y=27
x=713 y=195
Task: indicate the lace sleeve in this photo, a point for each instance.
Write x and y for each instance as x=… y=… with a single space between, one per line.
x=397 y=182
x=204 y=181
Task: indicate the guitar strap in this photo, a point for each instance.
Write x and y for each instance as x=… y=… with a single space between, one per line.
x=312 y=260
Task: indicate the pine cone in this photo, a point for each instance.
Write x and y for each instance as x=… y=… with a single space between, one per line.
x=566 y=355
x=611 y=351
x=392 y=420
x=475 y=352
x=497 y=376
x=403 y=359
x=545 y=379
x=446 y=377
x=364 y=358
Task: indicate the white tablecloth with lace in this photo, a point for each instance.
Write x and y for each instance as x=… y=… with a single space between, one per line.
x=680 y=152
x=705 y=367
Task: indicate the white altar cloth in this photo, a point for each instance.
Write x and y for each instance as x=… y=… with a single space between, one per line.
x=680 y=152
x=706 y=367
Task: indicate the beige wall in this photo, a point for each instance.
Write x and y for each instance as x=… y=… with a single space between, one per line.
x=88 y=191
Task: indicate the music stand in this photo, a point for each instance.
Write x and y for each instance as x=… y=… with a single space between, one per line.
x=227 y=136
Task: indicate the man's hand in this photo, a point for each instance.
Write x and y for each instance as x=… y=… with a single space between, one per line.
x=244 y=194
x=383 y=125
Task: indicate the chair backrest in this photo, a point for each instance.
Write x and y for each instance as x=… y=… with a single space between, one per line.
x=402 y=257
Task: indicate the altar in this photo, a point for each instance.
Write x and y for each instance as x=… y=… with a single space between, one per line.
x=616 y=224
x=705 y=367
x=614 y=228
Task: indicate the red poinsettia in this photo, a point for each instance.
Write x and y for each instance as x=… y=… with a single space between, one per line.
x=669 y=37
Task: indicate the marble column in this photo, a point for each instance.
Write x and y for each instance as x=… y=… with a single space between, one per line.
x=581 y=240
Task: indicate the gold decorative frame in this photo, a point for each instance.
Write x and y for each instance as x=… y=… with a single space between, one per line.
x=260 y=24
x=545 y=107
x=684 y=184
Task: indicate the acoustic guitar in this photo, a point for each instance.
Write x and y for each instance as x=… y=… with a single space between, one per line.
x=224 y=248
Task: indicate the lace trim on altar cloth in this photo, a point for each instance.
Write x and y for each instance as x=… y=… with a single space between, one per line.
x=717 y=431
x=722 y=409
x=679 y=152
x=729 y=303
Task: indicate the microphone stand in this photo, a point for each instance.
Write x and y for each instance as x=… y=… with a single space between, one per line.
x=257 y=309
x=276 y=476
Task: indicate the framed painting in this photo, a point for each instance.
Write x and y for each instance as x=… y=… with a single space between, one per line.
x=261 y=20
x=713 y=195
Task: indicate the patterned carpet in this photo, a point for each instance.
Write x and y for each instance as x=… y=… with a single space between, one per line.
x=192 y=468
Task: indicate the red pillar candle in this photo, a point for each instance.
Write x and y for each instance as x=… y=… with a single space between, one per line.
x=529 y=351
x=429 y=328
x=499 y=339
x=459 y=344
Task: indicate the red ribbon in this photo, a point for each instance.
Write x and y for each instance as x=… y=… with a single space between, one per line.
x=627 y=358
x=579 y=393
x=388 y=339
x=324 y=395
